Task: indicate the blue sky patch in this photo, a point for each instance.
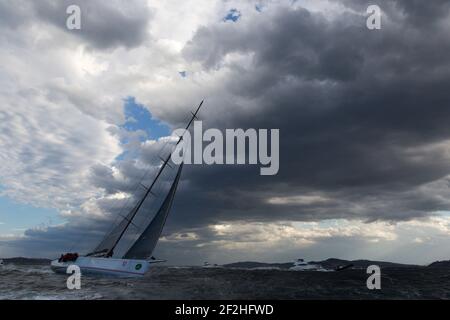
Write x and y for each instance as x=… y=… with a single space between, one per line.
x=233 y=15
x=15 y=217
x=183 y=74
x=139 y=118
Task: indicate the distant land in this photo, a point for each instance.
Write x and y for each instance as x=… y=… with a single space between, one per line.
x=334 y=263
x=253 y=265
x=331 y=263
x=26 y=261
x=440 y=264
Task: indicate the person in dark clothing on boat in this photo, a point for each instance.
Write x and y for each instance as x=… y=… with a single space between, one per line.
x=68 y=257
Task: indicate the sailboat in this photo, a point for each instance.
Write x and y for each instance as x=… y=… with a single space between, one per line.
x=138 y=258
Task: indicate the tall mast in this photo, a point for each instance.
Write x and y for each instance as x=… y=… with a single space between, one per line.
x=149 y=189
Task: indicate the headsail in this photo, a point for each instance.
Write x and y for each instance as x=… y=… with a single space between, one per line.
x=144 y=246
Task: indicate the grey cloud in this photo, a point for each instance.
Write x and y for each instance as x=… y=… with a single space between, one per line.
x=359 y=112
x=51 y=241
x=415 y=12
x=105 y=24
x=294 y=44
x=14 y=13
x=363 y=118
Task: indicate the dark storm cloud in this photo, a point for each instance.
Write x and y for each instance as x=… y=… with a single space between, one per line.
x=361 y=114
x=103 y=24
x=418 y=13
x=50 y=242
x=363 y=118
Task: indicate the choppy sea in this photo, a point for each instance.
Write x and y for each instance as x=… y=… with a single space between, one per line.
x=40 y=283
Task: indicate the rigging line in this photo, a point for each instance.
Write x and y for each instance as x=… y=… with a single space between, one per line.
x=194 y=116
x=126 y=205
x=141 y=202
x=133 y=194
x=139 y=184
x=136 y=209
x=144 y=220
x=114 y=224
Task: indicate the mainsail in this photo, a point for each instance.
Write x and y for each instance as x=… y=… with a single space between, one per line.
x=144 y=246
x=146 y=243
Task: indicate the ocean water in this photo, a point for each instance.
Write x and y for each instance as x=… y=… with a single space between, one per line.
x=195 y=283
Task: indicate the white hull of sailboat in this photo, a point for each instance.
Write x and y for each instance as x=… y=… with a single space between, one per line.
x=105 y=267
